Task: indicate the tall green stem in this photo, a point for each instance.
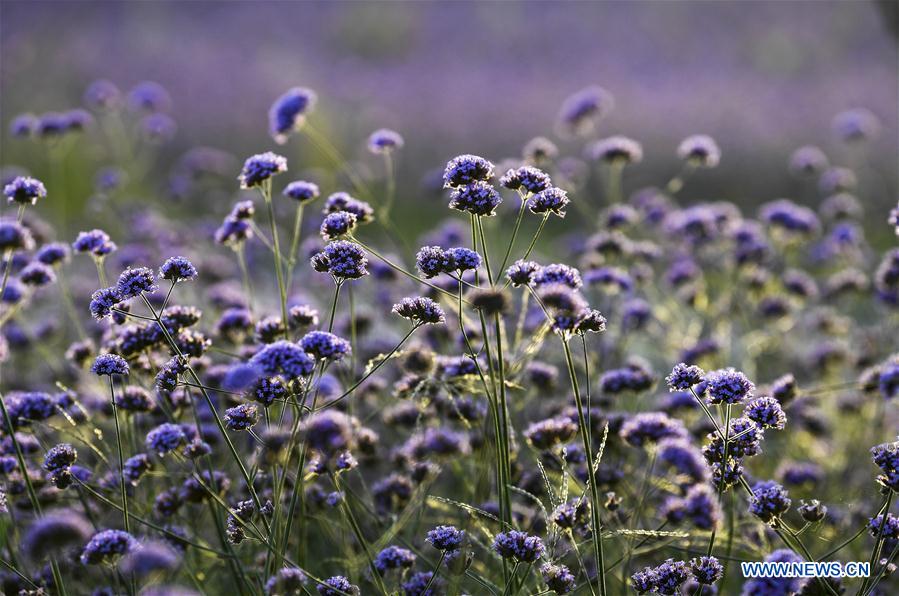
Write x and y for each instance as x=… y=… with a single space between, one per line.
x=266 y=190
x=595 y=521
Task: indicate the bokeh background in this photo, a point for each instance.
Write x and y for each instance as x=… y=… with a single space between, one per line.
x=761 y=77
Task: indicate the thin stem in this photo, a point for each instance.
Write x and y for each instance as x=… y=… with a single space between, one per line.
x=595 y=521
x=521 y=209
x=118 y=438
x=374 y=369
x=282 y=290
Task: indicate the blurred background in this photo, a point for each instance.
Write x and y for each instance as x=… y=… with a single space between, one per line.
x=761 y=77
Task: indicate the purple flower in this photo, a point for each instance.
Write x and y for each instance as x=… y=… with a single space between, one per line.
x=518 y=546
x=136 y=281
x=110 y=364
x=383 y=141
x=177 y=269
x=465 y=170
x=684 y=377
x=283 y=357
x=242 y=417
x=342 y=259
x=302 y=191
x=165 y=438
x=766 y=411
x=107 y=545
x=699 y=151
x=477 y=198
x=288 y=112
x=769 y=500
x=445 y=538
x=325 y=346
x=420 y=310
x=24 y=190
x=261 y=167
x=728 y=386
x=337 y=224
x=552 y=200
x=96 y=242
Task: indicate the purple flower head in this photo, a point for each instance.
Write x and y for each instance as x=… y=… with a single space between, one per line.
x=463 y=259
x=528 y=179
x=888 y=526
x=24 y=190
x=808 y=161
x=341 y=201
x=233 y=231
x=790 y=217
x=283 y=357
x=684 y=376
x=477 y=198
x=23 y=125
x=886 y=457
x=384 y=141
x=60 y=457
x=102 y=95
x=521 y=273
x=433 y=260
x=325 y=346
x=261 y=167
x=551 y=200
x=15 y=236
x=329 y=432
x=95 y=242
x=337 y=224
x=465 y=170
x=700 y=151
x=651 y=427
x=616 y=150
x=549 y=433
x=302 y=191
x=158 y=128
x=857 y=124
x=445 y=538
x=135 y=467
x=394 y=557
x=110 y=364
x=684 y=458
x=288 y=580
x=420 y=310
x=342 y=259
x=518 y=546
x=37 y=275
x=769 y=500
x=154 y=556
x=337 y=586
x=288 y=112
x=136 y=281
x=55 y=532
x=241 y=417
x=52 y=254
x=558 y=578
x=165 y=438
x=177 y=269
x=107 y=545
x=582 y=110
x=644 y=580
x=557 y=273
x=701 y=506
x=766 y=412
x=728 y=386
x=669 y=576
x=149 y=96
